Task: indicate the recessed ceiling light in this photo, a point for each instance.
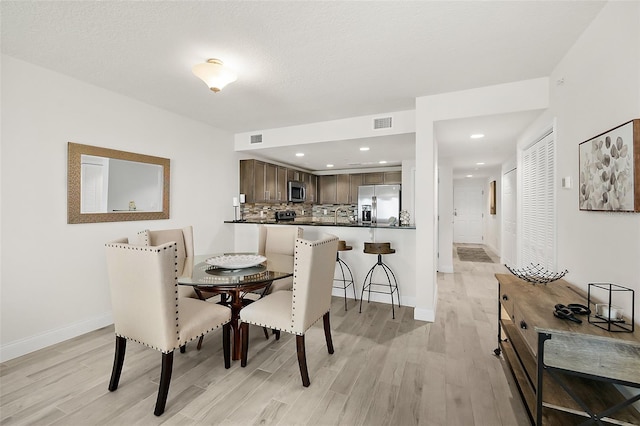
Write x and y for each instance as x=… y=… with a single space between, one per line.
x=382 y=162
x=364 y=148
x=329 y=165
x=479 y=164
x=299 y=154
x=469 y=176
x=477 y=136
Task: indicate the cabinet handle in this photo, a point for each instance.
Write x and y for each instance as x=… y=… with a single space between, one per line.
x=505 y=297
x=523 y=325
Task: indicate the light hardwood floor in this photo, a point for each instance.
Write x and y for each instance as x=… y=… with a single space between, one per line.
x=383 y=372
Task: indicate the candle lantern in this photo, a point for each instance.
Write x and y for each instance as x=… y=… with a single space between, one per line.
x=609 y=301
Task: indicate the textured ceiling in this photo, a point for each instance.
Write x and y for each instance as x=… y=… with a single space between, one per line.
x=297 y=61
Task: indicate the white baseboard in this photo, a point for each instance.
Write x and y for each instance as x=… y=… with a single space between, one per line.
x=33 y=343
x=447 y=269
x=427 y=315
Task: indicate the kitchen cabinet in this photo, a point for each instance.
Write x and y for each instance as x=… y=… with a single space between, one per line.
x=296 y=175
x=247 y=180
x=252 y=180
x=262 y=182
x=373 y=178
x=343 y=189
x=311 y=181
x=270 y=176
x=335 y=189
x=281 y=184
x=328 y=185
x=354 y=182
x=392 y=178
x=542 y=349
x=382 y=178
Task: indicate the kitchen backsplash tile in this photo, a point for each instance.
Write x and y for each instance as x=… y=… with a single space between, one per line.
x=305 y=212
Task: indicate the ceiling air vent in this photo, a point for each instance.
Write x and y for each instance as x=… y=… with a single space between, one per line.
x=256 y=138
x=382 y=123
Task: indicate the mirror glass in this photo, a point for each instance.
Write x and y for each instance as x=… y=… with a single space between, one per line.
x=106 y=185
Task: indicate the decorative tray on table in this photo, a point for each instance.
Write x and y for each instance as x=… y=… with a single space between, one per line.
x=235 y=261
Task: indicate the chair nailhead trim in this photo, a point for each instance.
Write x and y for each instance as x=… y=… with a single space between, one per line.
x=175 y=347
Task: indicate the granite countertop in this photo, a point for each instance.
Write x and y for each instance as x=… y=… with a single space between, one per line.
x=310 y=223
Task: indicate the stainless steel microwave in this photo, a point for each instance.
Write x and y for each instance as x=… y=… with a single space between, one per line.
x=297 y=192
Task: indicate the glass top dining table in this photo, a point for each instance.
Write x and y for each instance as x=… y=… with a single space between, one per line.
x=235 y=283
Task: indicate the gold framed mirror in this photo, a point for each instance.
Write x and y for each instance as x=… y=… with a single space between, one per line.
x=107 y=185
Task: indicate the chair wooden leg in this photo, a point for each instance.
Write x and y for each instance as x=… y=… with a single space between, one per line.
x=244 y=332
x=183 y=348
x=200 y=342
x=327 y=332
x=302 y=360
x=165 y=381
x=226 y=344
x=277 y=333
x=118 y=362
x=266 y=332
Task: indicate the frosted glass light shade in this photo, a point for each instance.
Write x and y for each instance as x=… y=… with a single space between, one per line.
x=214 y=74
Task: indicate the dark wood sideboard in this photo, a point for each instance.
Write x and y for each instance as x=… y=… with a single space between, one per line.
x=567 y=373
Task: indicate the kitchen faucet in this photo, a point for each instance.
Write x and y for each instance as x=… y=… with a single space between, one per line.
x=335 y=215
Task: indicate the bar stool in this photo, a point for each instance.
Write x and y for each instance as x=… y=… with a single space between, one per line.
x=380 y=249
x=342 y=246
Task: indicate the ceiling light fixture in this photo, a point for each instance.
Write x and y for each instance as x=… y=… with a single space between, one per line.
x=329 y=165
x=382 y=162
x=299 y=154
x=477 y=136
x=479 y=164
x=364 y=148
x=214 y=74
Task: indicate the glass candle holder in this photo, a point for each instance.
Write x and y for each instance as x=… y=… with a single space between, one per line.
x=609 y=312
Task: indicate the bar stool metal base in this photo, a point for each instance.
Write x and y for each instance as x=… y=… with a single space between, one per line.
x=393 y=287
x=345 y=282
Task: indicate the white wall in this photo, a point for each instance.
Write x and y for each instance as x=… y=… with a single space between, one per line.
x=445 y=217
x=53 y=280
x=601 y=90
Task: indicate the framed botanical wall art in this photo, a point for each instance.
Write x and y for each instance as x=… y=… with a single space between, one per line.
x=610 y=170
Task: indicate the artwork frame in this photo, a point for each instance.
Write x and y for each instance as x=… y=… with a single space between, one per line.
x=609 y=170
x=492 y=197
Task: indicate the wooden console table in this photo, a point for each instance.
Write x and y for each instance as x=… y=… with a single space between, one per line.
x=566 y=372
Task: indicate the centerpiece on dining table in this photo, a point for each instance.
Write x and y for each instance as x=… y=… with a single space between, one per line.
x=230 y=262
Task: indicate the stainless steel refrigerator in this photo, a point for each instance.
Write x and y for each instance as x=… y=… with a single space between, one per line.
x=383 y=201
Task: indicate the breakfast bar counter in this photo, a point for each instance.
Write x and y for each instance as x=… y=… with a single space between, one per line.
x=402 y=239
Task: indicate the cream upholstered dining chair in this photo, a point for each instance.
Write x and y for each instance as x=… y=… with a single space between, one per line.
x=184 y=240
x=277 y=244
x=147 y=309
x=296 y=310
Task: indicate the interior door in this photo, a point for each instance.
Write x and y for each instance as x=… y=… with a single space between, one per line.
x=467 y=214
